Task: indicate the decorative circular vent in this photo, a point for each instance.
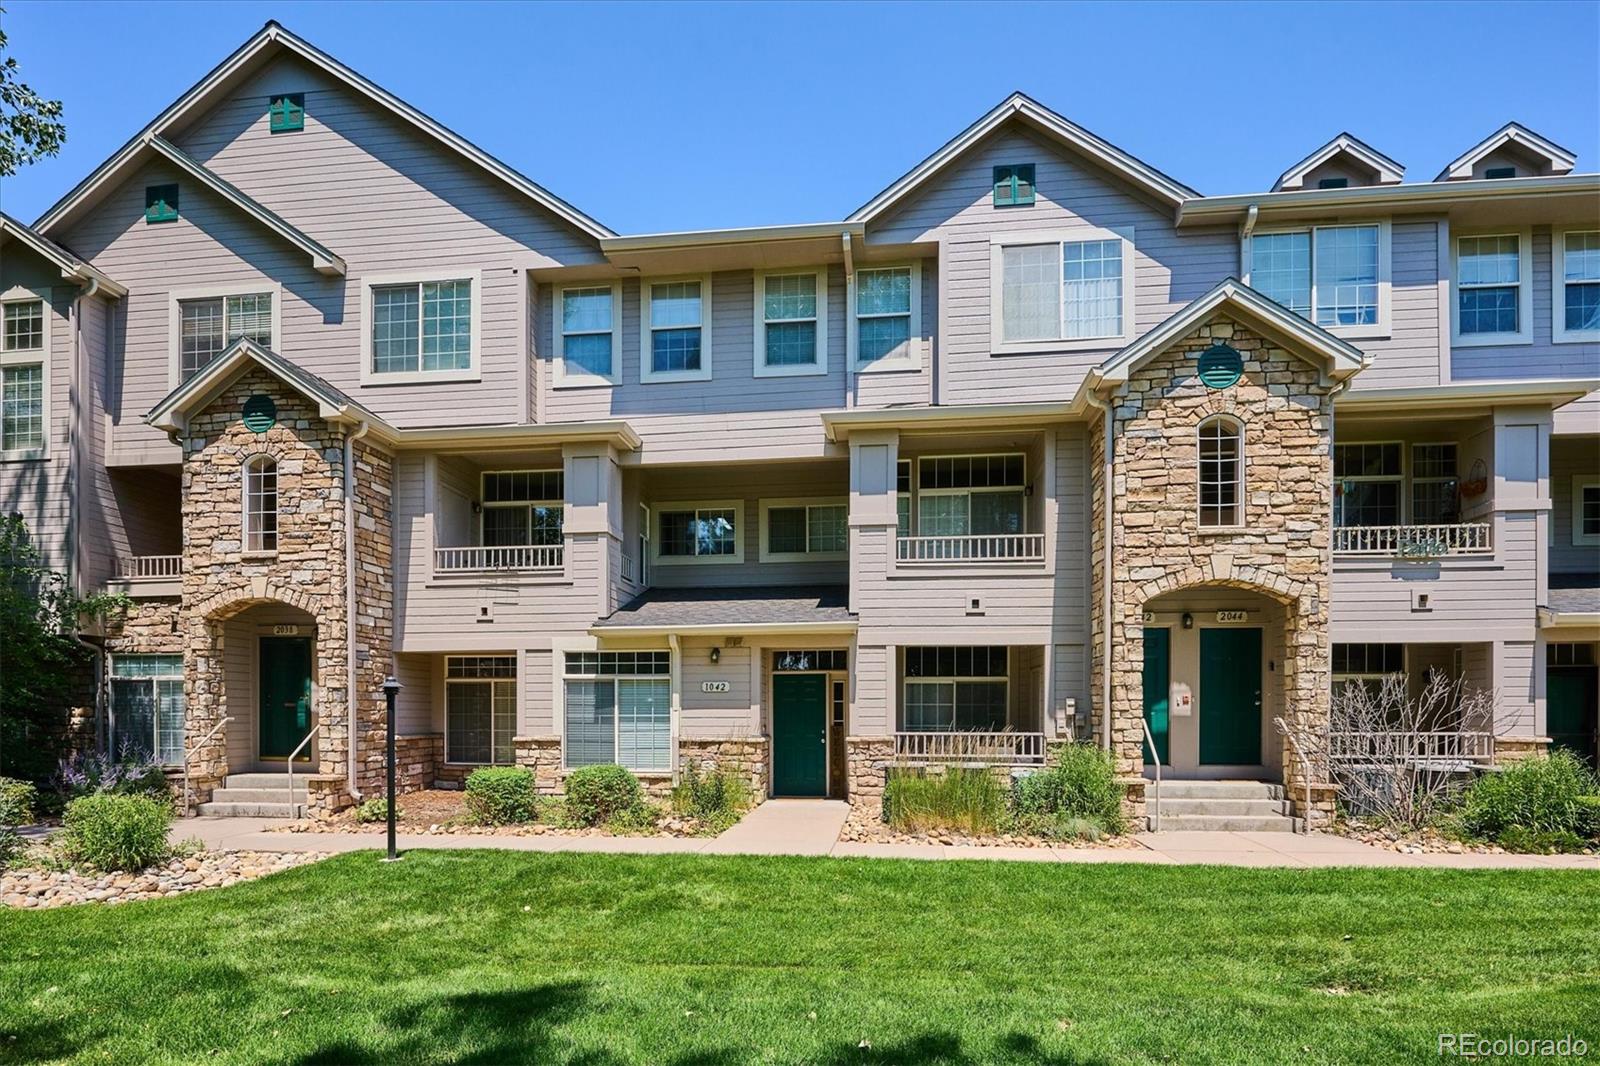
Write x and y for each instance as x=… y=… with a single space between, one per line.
x=260 y=413
x=1220 y=366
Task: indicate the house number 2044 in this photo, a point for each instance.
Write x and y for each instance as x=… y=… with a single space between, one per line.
x=1230 y=616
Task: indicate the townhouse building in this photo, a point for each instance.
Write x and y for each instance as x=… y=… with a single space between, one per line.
x=1038 y=445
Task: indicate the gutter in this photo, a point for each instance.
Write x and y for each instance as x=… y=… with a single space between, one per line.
x=1108 y=511
x=1213 y=209
x=851 y=378
x=350 y=439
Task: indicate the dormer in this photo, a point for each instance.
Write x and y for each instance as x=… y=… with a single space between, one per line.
x=1343 y=163
x=1512 y=151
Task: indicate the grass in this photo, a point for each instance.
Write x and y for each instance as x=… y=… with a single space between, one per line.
x=486 y=956
x=967 y=801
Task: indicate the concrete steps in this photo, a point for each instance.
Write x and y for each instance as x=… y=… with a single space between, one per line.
x=1221 y=807
x=256 y=795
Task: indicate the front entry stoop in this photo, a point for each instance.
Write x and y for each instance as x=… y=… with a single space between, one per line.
x=257 y=795
x=1222 y=806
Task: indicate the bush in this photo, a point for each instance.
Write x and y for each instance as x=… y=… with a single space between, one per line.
x=376 y=810
x=1545 y=795
x=1081 y=784
x=502 y=795
x=596 y=794
x=640 y=818
x=1058 y=827
x=128 y=773
x=17 y=802
x=966 y=801
x=117 y=832
x=712 y=796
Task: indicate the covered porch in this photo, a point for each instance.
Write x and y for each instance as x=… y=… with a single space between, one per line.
x=970 y=705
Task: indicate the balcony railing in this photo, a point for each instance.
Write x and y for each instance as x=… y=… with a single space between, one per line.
x=1413 y=542
x=523 y=558
x=982 y=548
x=985 y=749
x=1434 y=749
x=149 y=567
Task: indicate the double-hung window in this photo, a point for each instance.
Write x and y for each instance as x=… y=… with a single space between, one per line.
x=1585 y=509
x=1368 y=666
x=1367 y=484
x=886 y=318
x=1073 y=289
x=1434 y=500
x=260 y=504
x=421 y=329
x=1220 y=442
x=24 y=373
x=522 y=508
x=802 y=530
x=675 y=344
x=971 y=495
x=1576 y=301
x=147 y=707
x=791 y=323
x=1493 y=276
x=590 y=333
x=480 y=709
x=699 y=532
x=1336 y=276
x=956 y=689
x=208 y=324
x=618 y=709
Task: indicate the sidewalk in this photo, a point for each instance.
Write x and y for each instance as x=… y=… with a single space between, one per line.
x=811 y=827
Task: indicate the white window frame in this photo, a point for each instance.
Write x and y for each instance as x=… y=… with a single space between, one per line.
x=178 y=297
x=647 y=374
x=806 y=502
x=1403 y=672
x=918 y=493
x=1403 y=479
x=1579 y=483
x=484 y=505
x=1374 y=331
x=912 y=359
x=559 y=700
x=516 y=691
x=1408 y=463
x=819 y=364
x=472 y=372
x=1524 y=333
x=1242 y=496
x=998 y=345
x=154 y=681
x=568 y=377
x=659 y=510
x=1559 y=333
x=30 y=357
x=246 y=526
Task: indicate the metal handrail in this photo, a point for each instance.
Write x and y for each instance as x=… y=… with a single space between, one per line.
x=187 y=755
x=293 y=807
x=1305 y=766
x=1150 y=739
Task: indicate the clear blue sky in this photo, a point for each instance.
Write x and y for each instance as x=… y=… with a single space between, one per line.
x=664 y=117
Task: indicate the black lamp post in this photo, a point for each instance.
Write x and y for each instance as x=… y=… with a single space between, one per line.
x=391 y=688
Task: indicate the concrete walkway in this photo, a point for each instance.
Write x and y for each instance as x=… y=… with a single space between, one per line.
x=811 y=827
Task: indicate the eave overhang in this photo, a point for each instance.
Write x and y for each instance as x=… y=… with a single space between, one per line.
x=72 y=268
x=1464 y=396
x=1428 y=196
x=745 y=248
x=838 y=425
x=735 y=628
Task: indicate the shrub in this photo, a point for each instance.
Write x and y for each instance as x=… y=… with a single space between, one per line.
x=11 y=845
x=127 y=773
x=117 y=832
x=502 y=795
x=597 y=793
x=711 y=796
x=640 y=818
x=17 y=802
x=1081 y=784
x=967 y=801
x=1545 y=795
x=376 y=810
x=1058 y=826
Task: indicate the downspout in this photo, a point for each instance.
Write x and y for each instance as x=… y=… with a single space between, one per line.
x=849 y=318
x=74 y=509
x=350 y=439
x=1108 y=501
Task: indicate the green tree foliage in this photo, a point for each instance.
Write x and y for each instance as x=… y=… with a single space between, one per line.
x=30 y=126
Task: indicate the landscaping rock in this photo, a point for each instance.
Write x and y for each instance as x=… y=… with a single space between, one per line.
x=865 y=826
x=39 y=889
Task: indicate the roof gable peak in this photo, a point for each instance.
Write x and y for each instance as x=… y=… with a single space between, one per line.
x=1347 y=144
x=1559 y=160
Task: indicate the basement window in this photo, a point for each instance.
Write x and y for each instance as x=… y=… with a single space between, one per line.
x=286 y=113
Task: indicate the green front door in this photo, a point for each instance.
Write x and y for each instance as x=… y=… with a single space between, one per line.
x=1230 y=697
x=1157 y=689
x=1570 y=697
x=799 y=734
x=285 y=687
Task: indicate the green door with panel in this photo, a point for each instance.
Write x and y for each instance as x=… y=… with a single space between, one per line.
x=284 y=708
x=1230 y=697
x=1570 y=711
x=1157 y=690
x=799 y=735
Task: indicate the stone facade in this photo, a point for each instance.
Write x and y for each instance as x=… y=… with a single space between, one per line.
x=1281 y=551
x=416 y=762
x=868 y=759
x=745 y=757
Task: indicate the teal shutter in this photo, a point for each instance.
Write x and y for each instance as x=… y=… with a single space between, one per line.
x=287 y=113
x=1013 y=185
x=161 y=203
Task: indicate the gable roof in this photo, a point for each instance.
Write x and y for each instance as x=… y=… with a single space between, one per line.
x=71 y=267
x=1561 y=160
x=1039 y=117
x=1389 y=172
x=333 y=403
x=1340 y=358
x=268 y=42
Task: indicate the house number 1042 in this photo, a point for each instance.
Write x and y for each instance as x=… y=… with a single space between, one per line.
x=713 y=686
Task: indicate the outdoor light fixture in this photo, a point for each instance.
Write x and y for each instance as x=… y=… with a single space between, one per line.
x=391 y=689
x=716 y=655
x=1188 y=620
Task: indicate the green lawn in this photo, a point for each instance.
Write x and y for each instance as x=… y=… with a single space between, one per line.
x=487 y=956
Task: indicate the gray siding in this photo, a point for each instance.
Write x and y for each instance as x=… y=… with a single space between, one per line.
x=1543 y=358
x=1571 y=457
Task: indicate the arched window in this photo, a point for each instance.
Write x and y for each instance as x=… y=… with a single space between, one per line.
x=261 y=505
x=1221 y=472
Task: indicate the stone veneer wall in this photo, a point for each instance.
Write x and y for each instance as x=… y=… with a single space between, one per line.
x=1282 y=551
x=868 y=759
x=416 y=762
x=307 y=572
x=745 y=757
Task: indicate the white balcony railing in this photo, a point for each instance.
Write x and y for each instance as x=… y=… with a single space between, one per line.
x=982 y=548
x=1413 y=542
x=1444 y=747
x=989 y=749
x=521 y=557
x=149 y=567
x=630 y=568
